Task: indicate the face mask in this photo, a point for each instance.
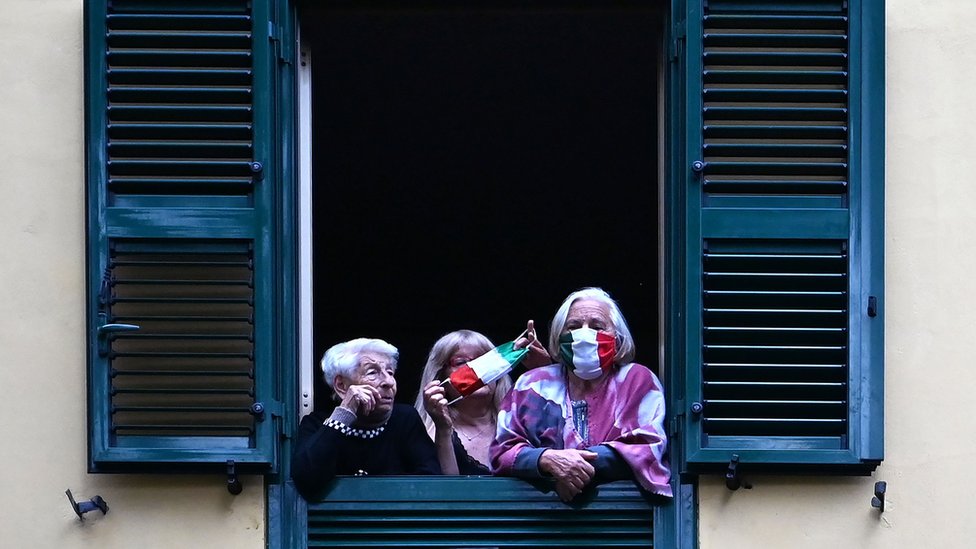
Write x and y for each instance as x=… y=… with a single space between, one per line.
x=588 y=351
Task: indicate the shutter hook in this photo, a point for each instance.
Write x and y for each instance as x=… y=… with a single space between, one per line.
x=878 y=501
x=733 y=481
x=234 y=485
x=81 y=508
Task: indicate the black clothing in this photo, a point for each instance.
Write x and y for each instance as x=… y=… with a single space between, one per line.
x=322 y=451
x=467 y=465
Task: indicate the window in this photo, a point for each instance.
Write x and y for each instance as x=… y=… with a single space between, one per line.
x=746 y=139
x=464 y=152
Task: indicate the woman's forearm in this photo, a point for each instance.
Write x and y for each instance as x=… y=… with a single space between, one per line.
x=443 y=439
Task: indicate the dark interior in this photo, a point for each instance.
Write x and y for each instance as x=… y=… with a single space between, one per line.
x=474 y=164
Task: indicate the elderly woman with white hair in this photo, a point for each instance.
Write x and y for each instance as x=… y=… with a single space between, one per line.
x=596 y=416
x=367 y=433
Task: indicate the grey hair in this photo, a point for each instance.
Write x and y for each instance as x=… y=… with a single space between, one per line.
x=343 y=358
x=625 y=341
x=437 y=360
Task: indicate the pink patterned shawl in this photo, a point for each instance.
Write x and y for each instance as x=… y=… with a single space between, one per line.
x=628 y=416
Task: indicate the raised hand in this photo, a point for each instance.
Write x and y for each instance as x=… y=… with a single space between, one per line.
x=538 y=356
x=435 y=402
x=361 y=399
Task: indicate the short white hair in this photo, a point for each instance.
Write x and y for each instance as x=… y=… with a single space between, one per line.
x=625 y=341
x=343 y=358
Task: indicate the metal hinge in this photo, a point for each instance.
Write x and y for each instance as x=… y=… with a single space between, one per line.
x=677 y=37
x=276 y=40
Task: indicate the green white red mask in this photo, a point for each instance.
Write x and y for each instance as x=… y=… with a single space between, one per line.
x=589 y=352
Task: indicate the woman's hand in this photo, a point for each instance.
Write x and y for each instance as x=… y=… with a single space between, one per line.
x=570 y=468
x=361 y=399
x=538 y=356
x=435 y=402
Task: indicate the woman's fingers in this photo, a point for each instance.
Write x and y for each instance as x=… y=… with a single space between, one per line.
x=365 y=397
x=435 y=402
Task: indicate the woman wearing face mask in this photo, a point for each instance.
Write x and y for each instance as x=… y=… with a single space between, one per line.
x=594 y=417
x=464 y=430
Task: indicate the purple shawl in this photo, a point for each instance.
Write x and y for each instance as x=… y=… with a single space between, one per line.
x=628 y=416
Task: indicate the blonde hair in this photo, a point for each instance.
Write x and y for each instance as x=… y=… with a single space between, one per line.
x=440 y=353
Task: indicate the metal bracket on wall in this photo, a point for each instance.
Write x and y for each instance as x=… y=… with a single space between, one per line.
x=733 y=480
x=85 y=506
x=234 y=485
x=878 y=501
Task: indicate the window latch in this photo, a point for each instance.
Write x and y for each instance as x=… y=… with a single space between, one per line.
x=104 y=335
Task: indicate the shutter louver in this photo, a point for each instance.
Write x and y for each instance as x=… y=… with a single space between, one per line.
x=189 y=369
x=779 y=239
x=775 y=103
x=179 y=103
x=466 y=512
x=775 y=340
x=181 y=236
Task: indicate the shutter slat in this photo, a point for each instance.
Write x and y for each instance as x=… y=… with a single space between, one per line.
x=773 y=85
x=774 y=339
x=155 y=138
x=211 y=284
x=482 y=512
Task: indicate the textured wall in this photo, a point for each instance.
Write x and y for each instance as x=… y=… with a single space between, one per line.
x=930 y=245
x=42 y=285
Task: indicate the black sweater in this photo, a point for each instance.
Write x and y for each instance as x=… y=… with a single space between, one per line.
x=324 y=451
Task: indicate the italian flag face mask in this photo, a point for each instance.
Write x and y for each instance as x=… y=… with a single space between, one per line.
x=589 y=352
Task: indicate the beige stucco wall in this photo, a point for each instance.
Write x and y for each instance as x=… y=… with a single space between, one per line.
x=42 y=339
x=931 y=232
x=931 y=257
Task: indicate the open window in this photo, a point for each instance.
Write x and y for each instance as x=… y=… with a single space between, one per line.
x=471 y=165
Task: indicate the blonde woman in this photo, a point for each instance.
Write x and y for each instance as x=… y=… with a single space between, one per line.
x=463 y=431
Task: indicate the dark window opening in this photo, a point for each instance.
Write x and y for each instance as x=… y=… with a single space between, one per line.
x=473 y=164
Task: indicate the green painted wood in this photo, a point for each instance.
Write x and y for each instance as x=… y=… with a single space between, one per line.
x=476 y=512
x=180 y=194
x=782 y=364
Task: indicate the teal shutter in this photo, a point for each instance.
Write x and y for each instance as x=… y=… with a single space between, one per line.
x=481 y=512
x=783 y=168
x=180 y=179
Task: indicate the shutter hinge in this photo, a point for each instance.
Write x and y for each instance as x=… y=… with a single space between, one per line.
x=678 y=36
x=276 y=39
x=676 y=422
x=105 y=290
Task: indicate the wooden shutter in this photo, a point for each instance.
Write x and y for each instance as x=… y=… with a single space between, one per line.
x=180 y=194
x=475 y=512
x=782 y=168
